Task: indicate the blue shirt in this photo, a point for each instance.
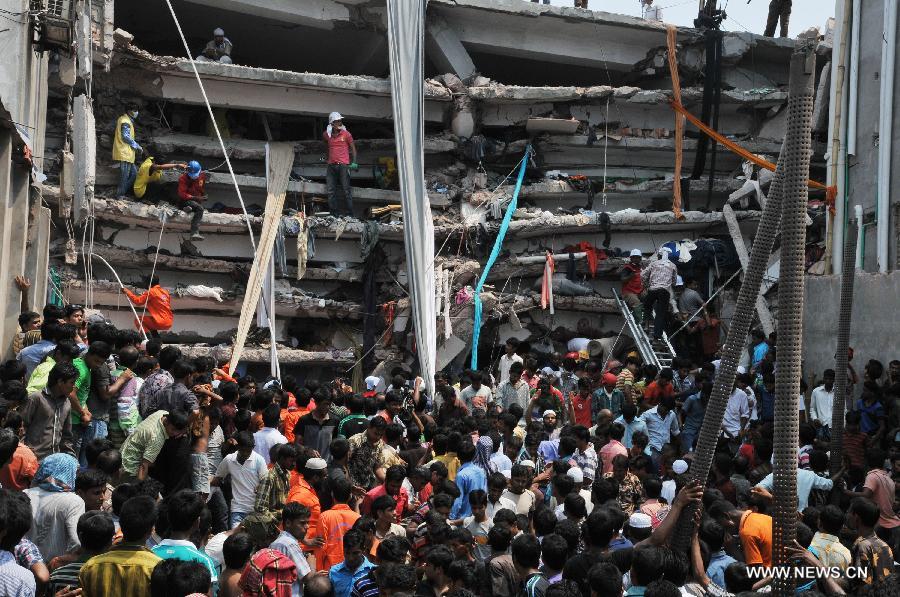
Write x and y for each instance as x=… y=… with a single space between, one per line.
x=15 y=580
x=179 y=549
x=468 y=478
x=32 y=355
x=868 y=422
x=693 y=411
x=807 y=480
x=718 y=562
x=660 y=430
x=631 y=428
x=342 y=578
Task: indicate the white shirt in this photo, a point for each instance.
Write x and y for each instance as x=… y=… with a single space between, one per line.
x=505 y=363
x=244 y=479
x=503 y=503
x=821 y=405
x=479 y=532
x=264 y=439
x=738 y=407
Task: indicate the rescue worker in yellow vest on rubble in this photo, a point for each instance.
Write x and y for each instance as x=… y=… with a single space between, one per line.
x=150 y=172
x=125 y=149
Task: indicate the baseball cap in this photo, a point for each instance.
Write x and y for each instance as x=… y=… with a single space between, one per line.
x=636 y=253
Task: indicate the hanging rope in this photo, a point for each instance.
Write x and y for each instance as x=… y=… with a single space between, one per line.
x=119 y=280
x=679 y=122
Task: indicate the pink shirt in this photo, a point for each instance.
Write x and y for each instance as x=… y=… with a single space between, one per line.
x=883 y=494
x=610 y=451
x=338 y=146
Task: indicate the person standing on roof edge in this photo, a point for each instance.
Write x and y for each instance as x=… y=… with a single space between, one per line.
x=659 y=279
x=632 y=287
x=191 y=190
x=125 y=149
x=217 y=50
x=341 y=159
x=158 y=317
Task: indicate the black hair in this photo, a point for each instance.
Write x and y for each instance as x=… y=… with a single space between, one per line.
x=354 y=539
x=178 y=419
x=440 y=556
x=90 y=478
x=95 y=531
x=27 y=317
x=188 y=578
x=61 y=372
x=100 y=349
x=526 y=551
x=646 y=563
x=383 y=502
x=137 y=518
x=554 y=551
x=599 y=528
x=9 y=442
x=392 y=549
x=184 y=509
x=122 y=494
x=95 y=447
x=271 y=415
x=15 y=517
x=499 y=537
x=737 y=578
x=395 y=473
x=867 y=510
x=831 y=519
x=168 y=356
x=605 y=579
x=294 y=511
x=712 y=533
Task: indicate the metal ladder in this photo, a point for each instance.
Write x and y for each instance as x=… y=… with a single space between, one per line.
x=655 y=352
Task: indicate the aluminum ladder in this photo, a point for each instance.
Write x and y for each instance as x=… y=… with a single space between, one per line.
x=655 y=352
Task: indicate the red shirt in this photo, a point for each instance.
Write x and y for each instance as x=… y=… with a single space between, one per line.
x=401 y=498
x=633 y=284
x=338 y=146
x=582 y=407
x=654 y=391
x=191 y=188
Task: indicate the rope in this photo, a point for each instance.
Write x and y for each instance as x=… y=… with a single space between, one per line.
x=155 y=258
x=679 y=123
x=605 y=146
x=212 y=117
x=130 y=304
x=830 y=192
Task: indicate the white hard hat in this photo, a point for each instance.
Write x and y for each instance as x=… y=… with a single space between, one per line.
x=334 y=116
x=219 y=32
x=636 y=253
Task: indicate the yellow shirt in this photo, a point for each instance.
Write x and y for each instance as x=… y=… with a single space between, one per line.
x=451 y=461
x=123 y=570
x=144 y=177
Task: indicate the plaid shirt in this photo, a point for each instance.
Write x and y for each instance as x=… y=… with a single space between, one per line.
x=269 y=573
x=272 y=492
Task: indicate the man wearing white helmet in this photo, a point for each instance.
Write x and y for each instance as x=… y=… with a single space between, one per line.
x=659 y=279
x=341 y=159
x=632 y=287
x=217 y=50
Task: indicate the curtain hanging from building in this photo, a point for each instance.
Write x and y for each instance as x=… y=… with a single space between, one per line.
x=406 y=22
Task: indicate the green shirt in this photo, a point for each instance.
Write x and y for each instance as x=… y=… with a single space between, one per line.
x=82 y=387
x=145 y=443
x=38 y=379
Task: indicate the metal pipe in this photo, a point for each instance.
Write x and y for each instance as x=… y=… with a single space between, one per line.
x=543 y=258
x=854 y=79
x=835 y=174
x=860 y=231
x=885 y=134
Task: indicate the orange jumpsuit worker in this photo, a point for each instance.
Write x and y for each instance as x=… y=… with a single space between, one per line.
x=302 y=491
x=159 y=308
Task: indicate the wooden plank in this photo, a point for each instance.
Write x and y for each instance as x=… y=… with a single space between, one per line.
x=762 y=308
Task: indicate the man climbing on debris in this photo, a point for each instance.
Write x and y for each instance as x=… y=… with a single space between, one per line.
x=217 y=50
x=659 y=279
x=632 y=287
x=158 y=301
x=779 y=10
x=341 y=159
x=149 y=171
x=125 y=149
x=191 y=190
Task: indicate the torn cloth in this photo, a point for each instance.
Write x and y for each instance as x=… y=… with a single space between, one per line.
x=593 y=255
x=547 y=283
x=369 y=238
x=303 y=240
x=201 y=291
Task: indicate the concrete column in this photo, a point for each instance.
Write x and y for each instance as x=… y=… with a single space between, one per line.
x=446 y=51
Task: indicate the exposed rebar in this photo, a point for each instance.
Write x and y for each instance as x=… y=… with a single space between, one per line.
x=795 y=196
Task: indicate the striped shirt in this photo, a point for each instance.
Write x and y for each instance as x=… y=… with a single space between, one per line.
x=366 y=586
x=15 y=581
x=123 y=570
x=66 y=576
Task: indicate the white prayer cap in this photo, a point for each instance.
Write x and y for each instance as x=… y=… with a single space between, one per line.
x=507 y=473
x=334 y=116
x=679 y=467
x=527 y=463
x=636 y=253
x=219 y=32
x=549 y=413
x=372 y=382
x=639 y=520
x=576 y=475
x=548 y=371
x=741 y=369
x=316 y=464
x=679 y=281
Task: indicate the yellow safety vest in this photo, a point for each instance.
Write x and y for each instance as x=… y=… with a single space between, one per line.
x=144 y=178
x=122 y=151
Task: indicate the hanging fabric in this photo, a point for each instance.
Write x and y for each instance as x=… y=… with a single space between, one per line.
x=547 y=283
x=303 y=239
x=495 y=252
x=406 y=26
x=447 y=298
x=679 y=122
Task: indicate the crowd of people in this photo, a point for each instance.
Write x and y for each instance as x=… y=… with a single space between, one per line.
x=131 y=470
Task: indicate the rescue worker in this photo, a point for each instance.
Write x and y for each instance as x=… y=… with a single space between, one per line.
x=632 y=287
x=779 y=10
x=158 y=317
x=149 y=171
x=659 y=279
x=125 y=149
x=341 y=159
x=191 y=190
x=217 y=50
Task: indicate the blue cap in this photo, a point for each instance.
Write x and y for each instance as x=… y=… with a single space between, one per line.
x=193 y=169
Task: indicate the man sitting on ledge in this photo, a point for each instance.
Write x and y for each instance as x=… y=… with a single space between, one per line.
x=217 y=50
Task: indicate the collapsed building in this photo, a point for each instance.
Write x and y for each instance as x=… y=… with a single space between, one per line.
x=588 y=92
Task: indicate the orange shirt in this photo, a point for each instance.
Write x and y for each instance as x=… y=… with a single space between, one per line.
x=756 y=538
x=159 y=308
x=334 y=524
x=303 y=493
x=289 y=418
x=19 y=471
